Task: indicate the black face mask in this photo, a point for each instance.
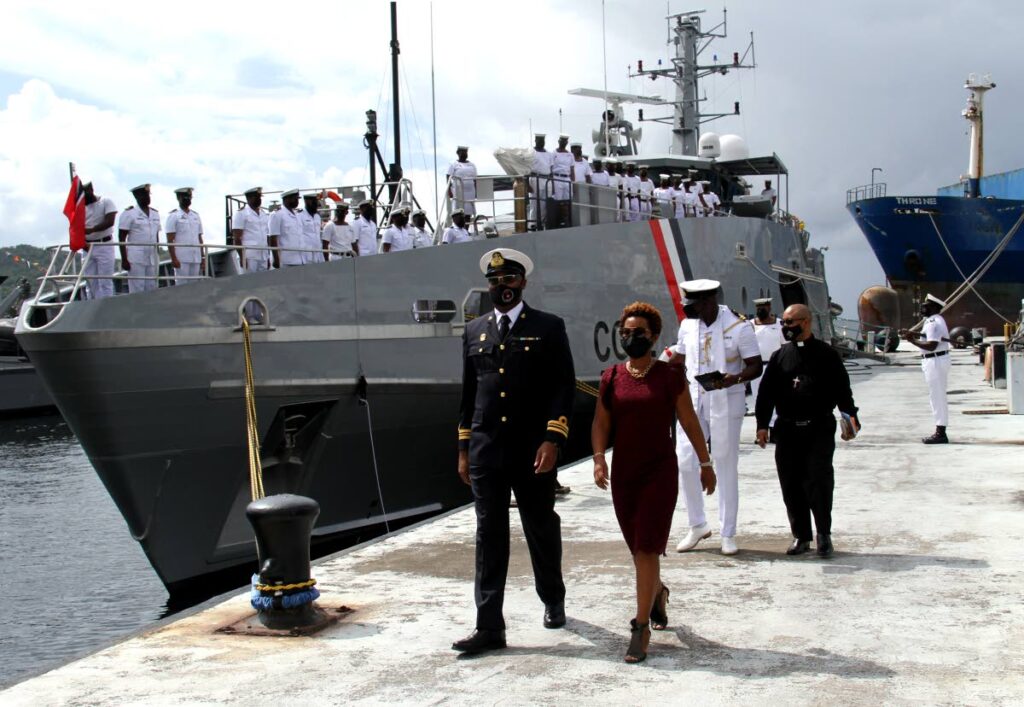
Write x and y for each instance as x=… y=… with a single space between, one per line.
x=635 y=346
x=762 y=313
x=790 y=333
x=505 y=296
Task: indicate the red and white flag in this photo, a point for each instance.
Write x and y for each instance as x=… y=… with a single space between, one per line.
x=74 y=209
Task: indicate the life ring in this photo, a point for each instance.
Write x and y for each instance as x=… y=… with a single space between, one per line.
x=332 y=195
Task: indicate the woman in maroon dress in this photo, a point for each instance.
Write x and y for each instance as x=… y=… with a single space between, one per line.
x=636 y=410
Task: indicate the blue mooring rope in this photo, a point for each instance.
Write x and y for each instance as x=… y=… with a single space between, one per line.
x=264 y=602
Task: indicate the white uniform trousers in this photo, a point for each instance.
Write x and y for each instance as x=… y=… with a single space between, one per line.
x=253 y=264
x=186 y=274
x=538 y=211
x=99 y=269
x=140 y=278
x=936 y=374
x=633 y=209
x=726 y=455
x=645 y=211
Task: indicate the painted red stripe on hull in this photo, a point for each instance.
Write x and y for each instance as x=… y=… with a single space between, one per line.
x=666 y=266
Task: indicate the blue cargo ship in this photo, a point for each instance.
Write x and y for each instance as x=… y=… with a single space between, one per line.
x=964 y=245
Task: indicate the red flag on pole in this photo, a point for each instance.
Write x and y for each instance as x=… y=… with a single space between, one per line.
x=74 y=209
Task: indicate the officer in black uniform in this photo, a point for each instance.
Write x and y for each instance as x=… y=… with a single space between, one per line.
x=518 y=386
x=803 y=382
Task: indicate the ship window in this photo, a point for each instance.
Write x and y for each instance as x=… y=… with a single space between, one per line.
x=430 y=310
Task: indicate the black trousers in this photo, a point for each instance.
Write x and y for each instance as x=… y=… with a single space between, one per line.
x=535 y=496
x=803 y=457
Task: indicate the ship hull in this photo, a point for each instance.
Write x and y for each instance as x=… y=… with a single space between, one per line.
x=151 y=383
x=932 y=244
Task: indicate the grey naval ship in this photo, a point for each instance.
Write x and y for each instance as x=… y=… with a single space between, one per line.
x=357 y=361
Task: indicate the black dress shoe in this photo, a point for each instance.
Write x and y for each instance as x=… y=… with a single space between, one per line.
x=479 y=641
x=824 y=546
x=936 y=439
x=554 y=615
x=798 y=547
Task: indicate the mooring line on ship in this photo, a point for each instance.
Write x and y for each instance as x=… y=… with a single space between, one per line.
x=365 y=401
x=252 y=431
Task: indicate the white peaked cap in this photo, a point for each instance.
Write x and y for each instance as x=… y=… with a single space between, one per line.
x=763 y=300
x=494 y=258
x=936 y=300
x=693 y=287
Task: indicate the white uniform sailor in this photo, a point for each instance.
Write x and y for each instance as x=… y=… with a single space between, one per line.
x=139 y=228
x=250 y=227
x=714 y=341
x=598 y=175
x=581 y=171
x=768 y=330
x=770 y=193
x=184 y=239
x=663 y=194
x=646 y=188
x=286 y=232
x=100 y=213
x=561 y=169
x=631 y=193
x=366 y=229
x=421 y=237
x=540 y=185
x=935 y=362
x=462 y=182
x=615 y=183
x=397 y=236
x=457 y=233
x=338 y=235
x=711 y=200
x=312 y=227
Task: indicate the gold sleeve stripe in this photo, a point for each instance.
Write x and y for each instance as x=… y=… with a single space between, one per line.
x=464 y=433
x=559 y=426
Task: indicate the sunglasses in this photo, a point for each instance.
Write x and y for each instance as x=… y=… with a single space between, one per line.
x=495 y=280
x=791 y=321
x=633 y=331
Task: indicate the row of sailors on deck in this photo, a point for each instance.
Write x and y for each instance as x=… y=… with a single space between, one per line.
x=289 y=236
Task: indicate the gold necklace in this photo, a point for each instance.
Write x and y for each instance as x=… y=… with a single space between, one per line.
x=639 y=374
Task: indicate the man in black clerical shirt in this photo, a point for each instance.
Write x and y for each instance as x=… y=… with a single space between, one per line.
x=803 y=382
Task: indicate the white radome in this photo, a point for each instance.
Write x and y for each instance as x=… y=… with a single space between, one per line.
x=733 y=147
x=709 y=146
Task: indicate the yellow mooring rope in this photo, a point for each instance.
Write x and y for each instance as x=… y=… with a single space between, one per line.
x=255 y=467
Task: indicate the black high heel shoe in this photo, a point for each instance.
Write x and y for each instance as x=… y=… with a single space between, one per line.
x=639 y=640
x=659 y=610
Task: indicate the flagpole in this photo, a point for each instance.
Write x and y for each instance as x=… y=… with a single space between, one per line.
x=71 y=171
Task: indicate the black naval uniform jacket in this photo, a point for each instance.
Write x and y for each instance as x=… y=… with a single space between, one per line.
x=516 y=394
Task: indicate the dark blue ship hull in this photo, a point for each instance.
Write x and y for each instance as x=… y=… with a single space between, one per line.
x=933 y=243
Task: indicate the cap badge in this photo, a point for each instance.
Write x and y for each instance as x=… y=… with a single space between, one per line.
x=497 y=260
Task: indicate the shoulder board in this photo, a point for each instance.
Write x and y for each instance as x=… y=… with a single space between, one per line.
x=174 y=211
x=737 y=314
x=129 y=208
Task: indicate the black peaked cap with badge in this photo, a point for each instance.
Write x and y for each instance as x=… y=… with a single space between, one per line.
x=517 y=392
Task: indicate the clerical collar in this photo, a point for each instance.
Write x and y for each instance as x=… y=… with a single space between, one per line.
x=799 y=343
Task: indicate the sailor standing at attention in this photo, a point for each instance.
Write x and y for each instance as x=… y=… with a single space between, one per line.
x=250 y=227
x=462 y=181
x=561 y=170
x=768 y=330
x=457 y=233
x=598 y=177
x=398 y=236
x=312 y=226
x=933 y=340
x=518 y=387
x=286 y=231
x=421 y=237
x=185 y=228
x=631 y=192
x=100 y=214
x=615 y=184
x=711 y=200
x=718 y=340
x=140 y=229
x=581 y=171
x=646 y=188
x=540 y=183
x=366 y=230
x=338 y=235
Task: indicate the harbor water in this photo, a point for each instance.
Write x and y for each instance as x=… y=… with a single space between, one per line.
x=71 y=576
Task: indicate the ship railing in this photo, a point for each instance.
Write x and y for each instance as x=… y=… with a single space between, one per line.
x=861 y=337
x=865 y=191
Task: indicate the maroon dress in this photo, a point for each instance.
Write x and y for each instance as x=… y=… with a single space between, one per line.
x=644 y=471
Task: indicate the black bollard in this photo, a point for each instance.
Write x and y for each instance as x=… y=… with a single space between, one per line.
x=284 y=593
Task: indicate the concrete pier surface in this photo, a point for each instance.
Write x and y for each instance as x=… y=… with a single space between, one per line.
x=920 y=604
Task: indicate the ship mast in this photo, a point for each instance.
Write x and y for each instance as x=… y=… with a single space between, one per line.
x=686 y=71
x=975 y=116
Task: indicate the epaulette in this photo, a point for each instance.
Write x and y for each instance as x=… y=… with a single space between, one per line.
x=173 y=211
x=129 y=208
x=737 y=314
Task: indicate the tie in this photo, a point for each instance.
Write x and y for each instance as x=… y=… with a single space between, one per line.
x=503 y=327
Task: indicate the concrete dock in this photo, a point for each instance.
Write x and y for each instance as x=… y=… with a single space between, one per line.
x=920 y=604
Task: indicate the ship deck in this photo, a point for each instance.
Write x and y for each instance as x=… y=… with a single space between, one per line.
x=921 y=602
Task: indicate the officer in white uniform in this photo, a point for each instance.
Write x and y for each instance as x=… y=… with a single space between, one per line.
x=580 y=171
x=711 y=200
x=768 y=330
x=286 y=232
x=615 y=183
x=561 y=169
x=250 y=227
x=663 y=197
x=398 y=236
x=646 y=187
x=312 y=228
x=714 y=339
x=769 y=192
x=139 y=227
x=421 y=237
x=338 y=235
x=100 y=214
x=366 y=230
x=933 y=340
x=457 y=233
x=185 y=238
x=599 y=177
x=540 y=185
x=631 y=193
x=462 y=182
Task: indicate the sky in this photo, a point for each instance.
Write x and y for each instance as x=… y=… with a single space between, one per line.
x=223 y=96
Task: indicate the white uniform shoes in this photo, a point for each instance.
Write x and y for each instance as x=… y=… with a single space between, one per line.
x=729 y=546
x=696 y=534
